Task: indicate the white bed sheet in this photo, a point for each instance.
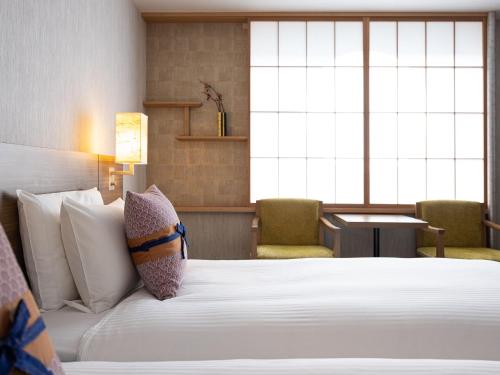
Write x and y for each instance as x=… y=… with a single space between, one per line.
x=311 y=308
x=66 y=327
x=350 y=366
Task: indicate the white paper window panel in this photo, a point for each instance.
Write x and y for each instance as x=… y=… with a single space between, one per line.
x=321 y=179
x=383 y=89
x=469 y=44
x=470 y=180
x=440 y=90
x=264 y=134
x=469 y=90
x=440 y=135
x=320 y=89
x=320 y=43
x=264 y=89
x=383 y=181
x=292 y=43
x=349 y=135
x=349 y=181
x=440 y=51
x=411 y=90
x=264 y=43
x=383 y=44
x=264 y=178
x=469 y=141
x=383 y=135
x=411 y=180
x=292 y=135
x=349 y=43
x=411 y=43
x=321 y=135
x=349 y=89
x=292 y=178
x=411 y=135
x=440 y=179
x=292 y=89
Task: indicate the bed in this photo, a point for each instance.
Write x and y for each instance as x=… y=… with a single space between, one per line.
x=289 y=367
x=310 y=308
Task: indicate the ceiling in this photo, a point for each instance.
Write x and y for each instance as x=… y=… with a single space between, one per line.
x=317 y=5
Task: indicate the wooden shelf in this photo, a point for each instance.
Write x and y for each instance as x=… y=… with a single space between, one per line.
x=211 y=138
x=171 y=104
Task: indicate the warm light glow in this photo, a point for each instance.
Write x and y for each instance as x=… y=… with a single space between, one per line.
x=131 y=138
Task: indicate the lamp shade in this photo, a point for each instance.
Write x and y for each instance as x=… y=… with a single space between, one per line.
x=131 y=138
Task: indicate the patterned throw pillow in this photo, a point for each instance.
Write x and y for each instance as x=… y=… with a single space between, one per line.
x=25 y=345
x=156 y=241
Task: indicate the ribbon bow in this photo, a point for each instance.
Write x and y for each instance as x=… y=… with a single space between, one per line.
x=181 y=229
x=12 y=353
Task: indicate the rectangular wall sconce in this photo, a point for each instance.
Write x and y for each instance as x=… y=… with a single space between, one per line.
x=131 y=141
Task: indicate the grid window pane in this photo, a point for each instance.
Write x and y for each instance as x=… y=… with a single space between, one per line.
x=292 y=134
x=383 y=135
x=440 y=44
x=411 y=43
x=469 y=90
x=468 y=171
x=321 y=135
x=349 y=135
x=349 y=89
x=411 y=90
x=348 y=43
x=321 y=179
x=292 y=89
x=469 y=136
x=383 y=89
x=440 y=90
x=440 y=179
x=320 y=44
x=264 y=134
x=383 y=181
x=469 y=44
x=349 y=180
x=383 y=44
x=320 y=90
x=264 y=44
x=411 y=135
x=264 y=93
x=292 y=178
x=263 y=178
x=411 y=180
x=440 y=135
x=292 y=43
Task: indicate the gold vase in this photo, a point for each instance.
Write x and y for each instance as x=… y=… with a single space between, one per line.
x=221 y=124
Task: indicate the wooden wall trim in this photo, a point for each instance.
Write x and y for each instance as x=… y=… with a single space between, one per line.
x=402 y=209
x=242 y=17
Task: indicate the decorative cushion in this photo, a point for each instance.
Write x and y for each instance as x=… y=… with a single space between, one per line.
x=290 y=252
x=156 y=241
x=462 y=253
x=46 y=263
x=289 y=221
x=24 y=342
x=462 y=221
x=97 y=253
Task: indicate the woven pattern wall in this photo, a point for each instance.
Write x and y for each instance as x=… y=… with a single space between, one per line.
x=178 y=56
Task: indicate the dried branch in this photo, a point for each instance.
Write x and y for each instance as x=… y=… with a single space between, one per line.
x=211 y=94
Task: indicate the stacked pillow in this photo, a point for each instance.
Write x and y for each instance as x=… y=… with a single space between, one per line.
x=25 y=343
x=156 y=241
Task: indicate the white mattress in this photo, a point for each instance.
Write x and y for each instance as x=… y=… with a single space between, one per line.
x=66 y=327
x=311 y=308
x=289 y=367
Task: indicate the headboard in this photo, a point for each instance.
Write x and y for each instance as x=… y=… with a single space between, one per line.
x=41 y=170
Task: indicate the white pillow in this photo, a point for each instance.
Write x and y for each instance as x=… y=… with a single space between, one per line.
x=40 y=228
x=96 y=249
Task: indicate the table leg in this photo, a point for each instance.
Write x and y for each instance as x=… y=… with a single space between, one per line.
x=376 y=242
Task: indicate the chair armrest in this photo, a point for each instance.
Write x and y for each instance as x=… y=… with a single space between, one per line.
x=492 y=225
x=439 y=232
x=255 y=223
x=335 y=232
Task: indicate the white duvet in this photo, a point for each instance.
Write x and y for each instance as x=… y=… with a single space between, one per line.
x=312 y=308
x=351 y=366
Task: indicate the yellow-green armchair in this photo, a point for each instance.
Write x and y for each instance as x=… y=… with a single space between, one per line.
x=292 y=228
x=457 y=229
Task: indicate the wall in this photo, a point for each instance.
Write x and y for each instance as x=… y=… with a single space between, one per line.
x=66 y=67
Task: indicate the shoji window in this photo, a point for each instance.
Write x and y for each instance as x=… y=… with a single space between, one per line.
x=307 y=110
x=426 y=111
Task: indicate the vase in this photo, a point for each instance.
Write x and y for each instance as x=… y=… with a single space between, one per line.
x=221 y=124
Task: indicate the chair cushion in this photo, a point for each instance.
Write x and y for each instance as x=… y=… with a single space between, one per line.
x=462 y=252
x=290 y=252
x=289 y=221
x=462 y=221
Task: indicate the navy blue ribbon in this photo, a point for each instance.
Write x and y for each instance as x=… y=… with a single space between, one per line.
x=12 y=353
x=180 y=231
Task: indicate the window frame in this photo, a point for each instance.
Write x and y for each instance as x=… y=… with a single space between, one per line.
x=366 y=18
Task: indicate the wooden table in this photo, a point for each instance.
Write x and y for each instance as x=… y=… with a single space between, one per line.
x=379 y=221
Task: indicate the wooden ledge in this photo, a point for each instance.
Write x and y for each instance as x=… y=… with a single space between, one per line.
x=171 y=104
